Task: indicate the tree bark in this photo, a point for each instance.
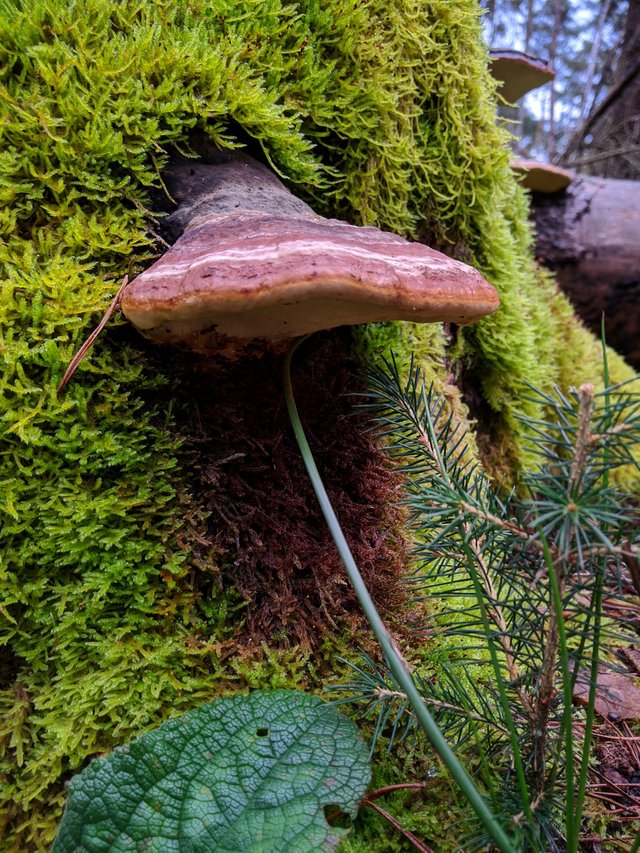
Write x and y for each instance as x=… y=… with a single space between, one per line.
x=608 y=142
x=553 y=49
x=593 y=58
x=590 y=236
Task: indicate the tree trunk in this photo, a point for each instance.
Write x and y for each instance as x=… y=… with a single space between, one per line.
x=608 y=142
x=590 y=237
x=553 y=50
x=587 y=90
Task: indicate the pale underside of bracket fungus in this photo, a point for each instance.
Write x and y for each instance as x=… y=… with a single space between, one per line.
x=541 y=177
x=518 y=73
x=255 y=262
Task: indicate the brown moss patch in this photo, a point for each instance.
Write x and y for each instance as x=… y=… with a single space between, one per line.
x=264 y=522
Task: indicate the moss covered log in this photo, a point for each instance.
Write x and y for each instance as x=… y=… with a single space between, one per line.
x=113 y=615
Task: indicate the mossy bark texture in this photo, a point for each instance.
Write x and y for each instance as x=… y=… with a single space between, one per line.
x=374 y=112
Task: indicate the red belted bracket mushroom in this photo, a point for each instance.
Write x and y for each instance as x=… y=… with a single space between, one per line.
x=252 y=261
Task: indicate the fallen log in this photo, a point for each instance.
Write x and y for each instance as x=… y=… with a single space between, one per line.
x=589 y=235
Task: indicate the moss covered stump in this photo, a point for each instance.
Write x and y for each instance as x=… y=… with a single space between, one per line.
x=129 y=571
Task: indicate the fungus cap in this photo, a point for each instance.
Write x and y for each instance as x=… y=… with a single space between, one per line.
x=541 y=177
x=254 y=274
x=518 y=73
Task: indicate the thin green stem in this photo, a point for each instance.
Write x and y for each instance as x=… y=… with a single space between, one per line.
x=596 y=607
x=595 y=613
x=567 y=690
x=500 y=681
x=395 y=661
x=584 y=636
x=590 y=716
x=607 y=395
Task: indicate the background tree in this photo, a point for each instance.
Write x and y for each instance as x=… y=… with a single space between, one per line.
x=587 y=119
x=592 y=47
x=607 y=143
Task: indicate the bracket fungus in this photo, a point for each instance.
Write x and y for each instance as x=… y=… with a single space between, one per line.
x=253 y=262
x=541 y=177
x=518 y=73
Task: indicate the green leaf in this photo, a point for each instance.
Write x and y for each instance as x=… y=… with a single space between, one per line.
x=247 y=773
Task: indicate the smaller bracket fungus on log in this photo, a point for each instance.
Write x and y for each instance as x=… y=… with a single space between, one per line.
x=518 y=73
x=541 y=177
x=252 y=261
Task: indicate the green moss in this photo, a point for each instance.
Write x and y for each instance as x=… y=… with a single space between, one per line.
x=380 y=114
x=433 y=815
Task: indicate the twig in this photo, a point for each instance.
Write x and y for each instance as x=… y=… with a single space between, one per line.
x=408 y=835
x=521 y=532
x=160 y=239
x=583 y=438
x=528 y=535
x=391 y=789
x=624 y=738
x=612 y=96
x=604 y=155
x=495 y=612
x=617 y=842
x=86 y=346
x=443 y=706
x=633 y=564
x=615 y=786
